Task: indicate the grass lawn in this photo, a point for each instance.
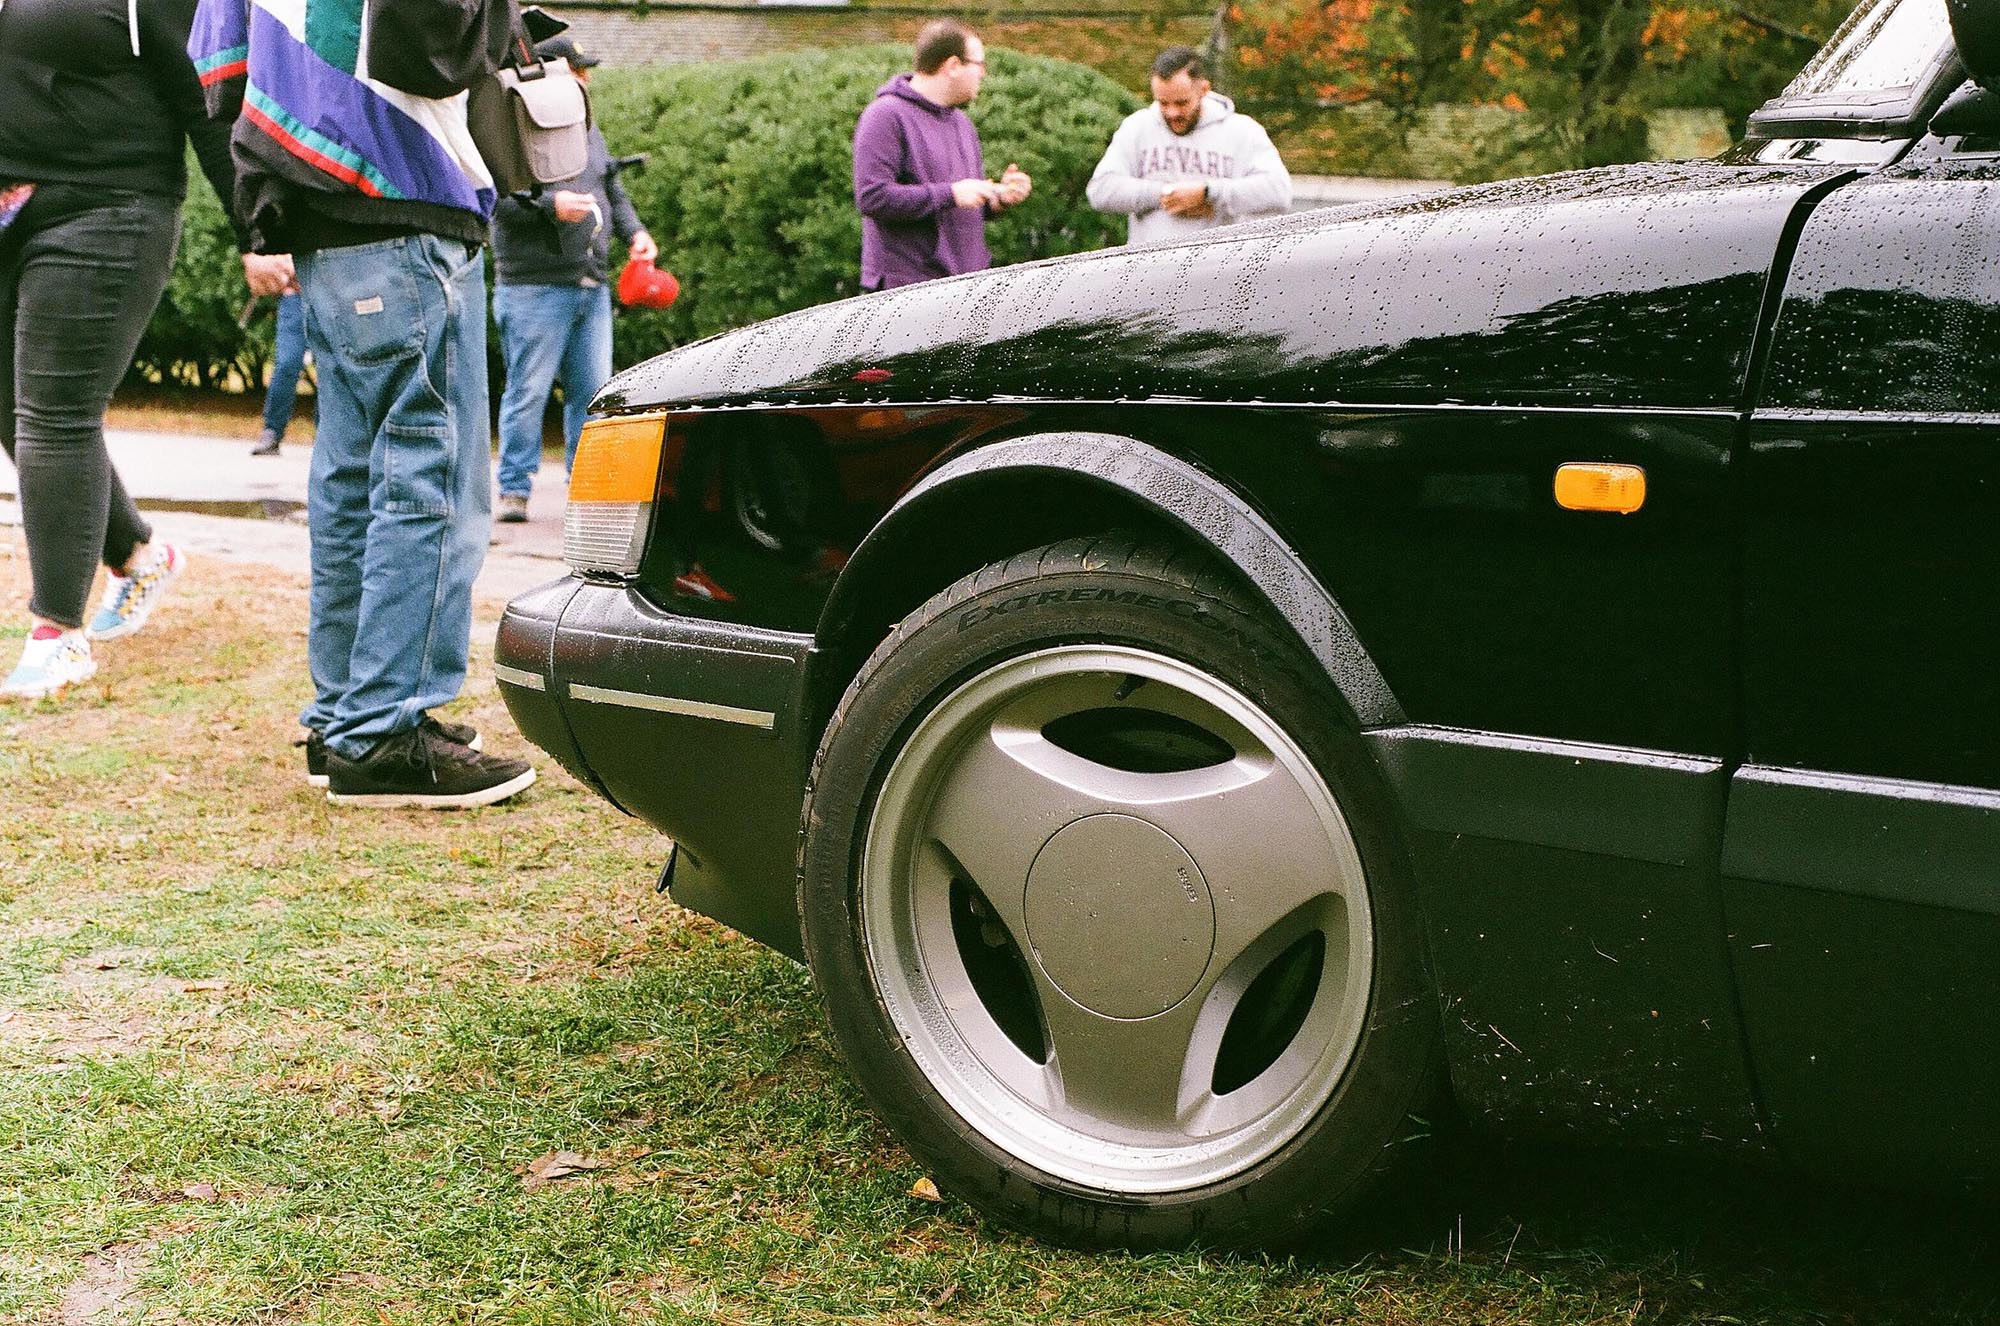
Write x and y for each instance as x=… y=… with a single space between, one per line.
x=261 y=1061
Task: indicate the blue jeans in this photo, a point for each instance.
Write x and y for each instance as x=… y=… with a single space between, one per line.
x=288 y=360
x=548 y=334
x=400 y=506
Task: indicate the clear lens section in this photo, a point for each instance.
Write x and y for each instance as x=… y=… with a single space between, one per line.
x=1884 y=46
x=606 y=536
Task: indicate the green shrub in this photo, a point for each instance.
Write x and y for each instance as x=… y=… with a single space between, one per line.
x=750 y=188
x=749 y=193
x=193 y=339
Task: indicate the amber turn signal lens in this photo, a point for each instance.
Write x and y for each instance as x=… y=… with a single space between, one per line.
x=1595 y=486
x=618 y=460
x=611 y=488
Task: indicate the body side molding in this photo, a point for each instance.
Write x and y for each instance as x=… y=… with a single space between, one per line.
x=1607 y=801
x=671 y=704
x=1930 y=844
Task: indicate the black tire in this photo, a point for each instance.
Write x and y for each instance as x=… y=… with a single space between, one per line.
x=1145 y=600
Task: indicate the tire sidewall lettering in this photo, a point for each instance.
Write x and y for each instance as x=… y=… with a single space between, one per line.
x=1213 y=618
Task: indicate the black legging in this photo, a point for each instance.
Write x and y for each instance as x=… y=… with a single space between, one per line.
x=81 y=271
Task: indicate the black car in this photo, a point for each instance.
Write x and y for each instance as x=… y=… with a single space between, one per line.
x=1196 y=707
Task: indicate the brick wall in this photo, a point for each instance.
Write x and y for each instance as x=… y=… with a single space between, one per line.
x=1118 y=41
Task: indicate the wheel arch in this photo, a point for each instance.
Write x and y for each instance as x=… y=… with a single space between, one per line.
x=1026 y=491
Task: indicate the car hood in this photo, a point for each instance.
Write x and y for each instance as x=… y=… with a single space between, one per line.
x=1633 y=285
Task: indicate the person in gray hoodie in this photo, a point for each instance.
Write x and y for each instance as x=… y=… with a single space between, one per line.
x=1189 y=161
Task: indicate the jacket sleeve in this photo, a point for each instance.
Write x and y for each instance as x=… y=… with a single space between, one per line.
x=204 y=91
x=1264 y=187
x=439 y=48
x=1115 y=186
x=625 y=222
x=520 y=209
x=218 y=44
x=878 y=160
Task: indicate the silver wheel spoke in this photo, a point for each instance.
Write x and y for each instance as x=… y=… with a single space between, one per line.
x=998 y=805
x=1246 y=838
x=1135 y=1075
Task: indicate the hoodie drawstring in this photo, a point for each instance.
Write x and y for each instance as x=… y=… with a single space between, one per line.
x=132 y=24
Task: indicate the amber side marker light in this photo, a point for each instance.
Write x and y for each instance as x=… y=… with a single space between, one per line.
x=1595 y=486
x=611 y=490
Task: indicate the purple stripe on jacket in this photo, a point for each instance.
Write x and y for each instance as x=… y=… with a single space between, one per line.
x=332 y=104
x=908 y=151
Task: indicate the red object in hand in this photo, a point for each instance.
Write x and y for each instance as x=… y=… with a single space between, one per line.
x=642 y=285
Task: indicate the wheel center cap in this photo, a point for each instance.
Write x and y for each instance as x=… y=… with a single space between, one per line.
x=1119 y=916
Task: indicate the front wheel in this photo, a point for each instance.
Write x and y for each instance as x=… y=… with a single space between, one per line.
x=1103 y=902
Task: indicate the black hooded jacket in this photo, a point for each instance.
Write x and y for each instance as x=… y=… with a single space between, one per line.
x=101 y=92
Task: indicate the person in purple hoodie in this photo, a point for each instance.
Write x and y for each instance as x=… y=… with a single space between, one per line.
x=918 y=177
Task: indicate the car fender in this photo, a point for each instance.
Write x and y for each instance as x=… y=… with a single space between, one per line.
x=1172 y=491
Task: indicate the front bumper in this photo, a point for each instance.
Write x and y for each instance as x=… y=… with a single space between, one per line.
x=696 y=727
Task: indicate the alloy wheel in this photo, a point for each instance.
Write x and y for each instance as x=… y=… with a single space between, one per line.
x=1117 y=918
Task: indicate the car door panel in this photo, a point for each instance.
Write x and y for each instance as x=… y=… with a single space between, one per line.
x=1570 y=894
x=1566 y=676
x=1862 y=846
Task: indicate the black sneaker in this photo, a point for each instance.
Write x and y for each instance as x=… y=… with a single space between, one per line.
x=418 y=769
x=315 y=744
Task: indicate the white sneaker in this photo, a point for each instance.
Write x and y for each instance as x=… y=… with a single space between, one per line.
x=130 y=600
x=48 y=663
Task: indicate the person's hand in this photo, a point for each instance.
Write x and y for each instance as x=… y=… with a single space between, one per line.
x=972 y=194
x=269 y=273
x=642 y=247
x=1188 y=200
x=1015 y=186
x=573 y=206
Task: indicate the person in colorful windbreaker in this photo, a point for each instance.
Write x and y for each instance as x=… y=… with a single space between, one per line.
x=353 y=155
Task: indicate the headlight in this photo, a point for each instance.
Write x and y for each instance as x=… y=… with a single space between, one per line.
x=611 y=491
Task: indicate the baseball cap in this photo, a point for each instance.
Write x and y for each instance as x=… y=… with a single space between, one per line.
x=643 y=285
x=562 y=48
